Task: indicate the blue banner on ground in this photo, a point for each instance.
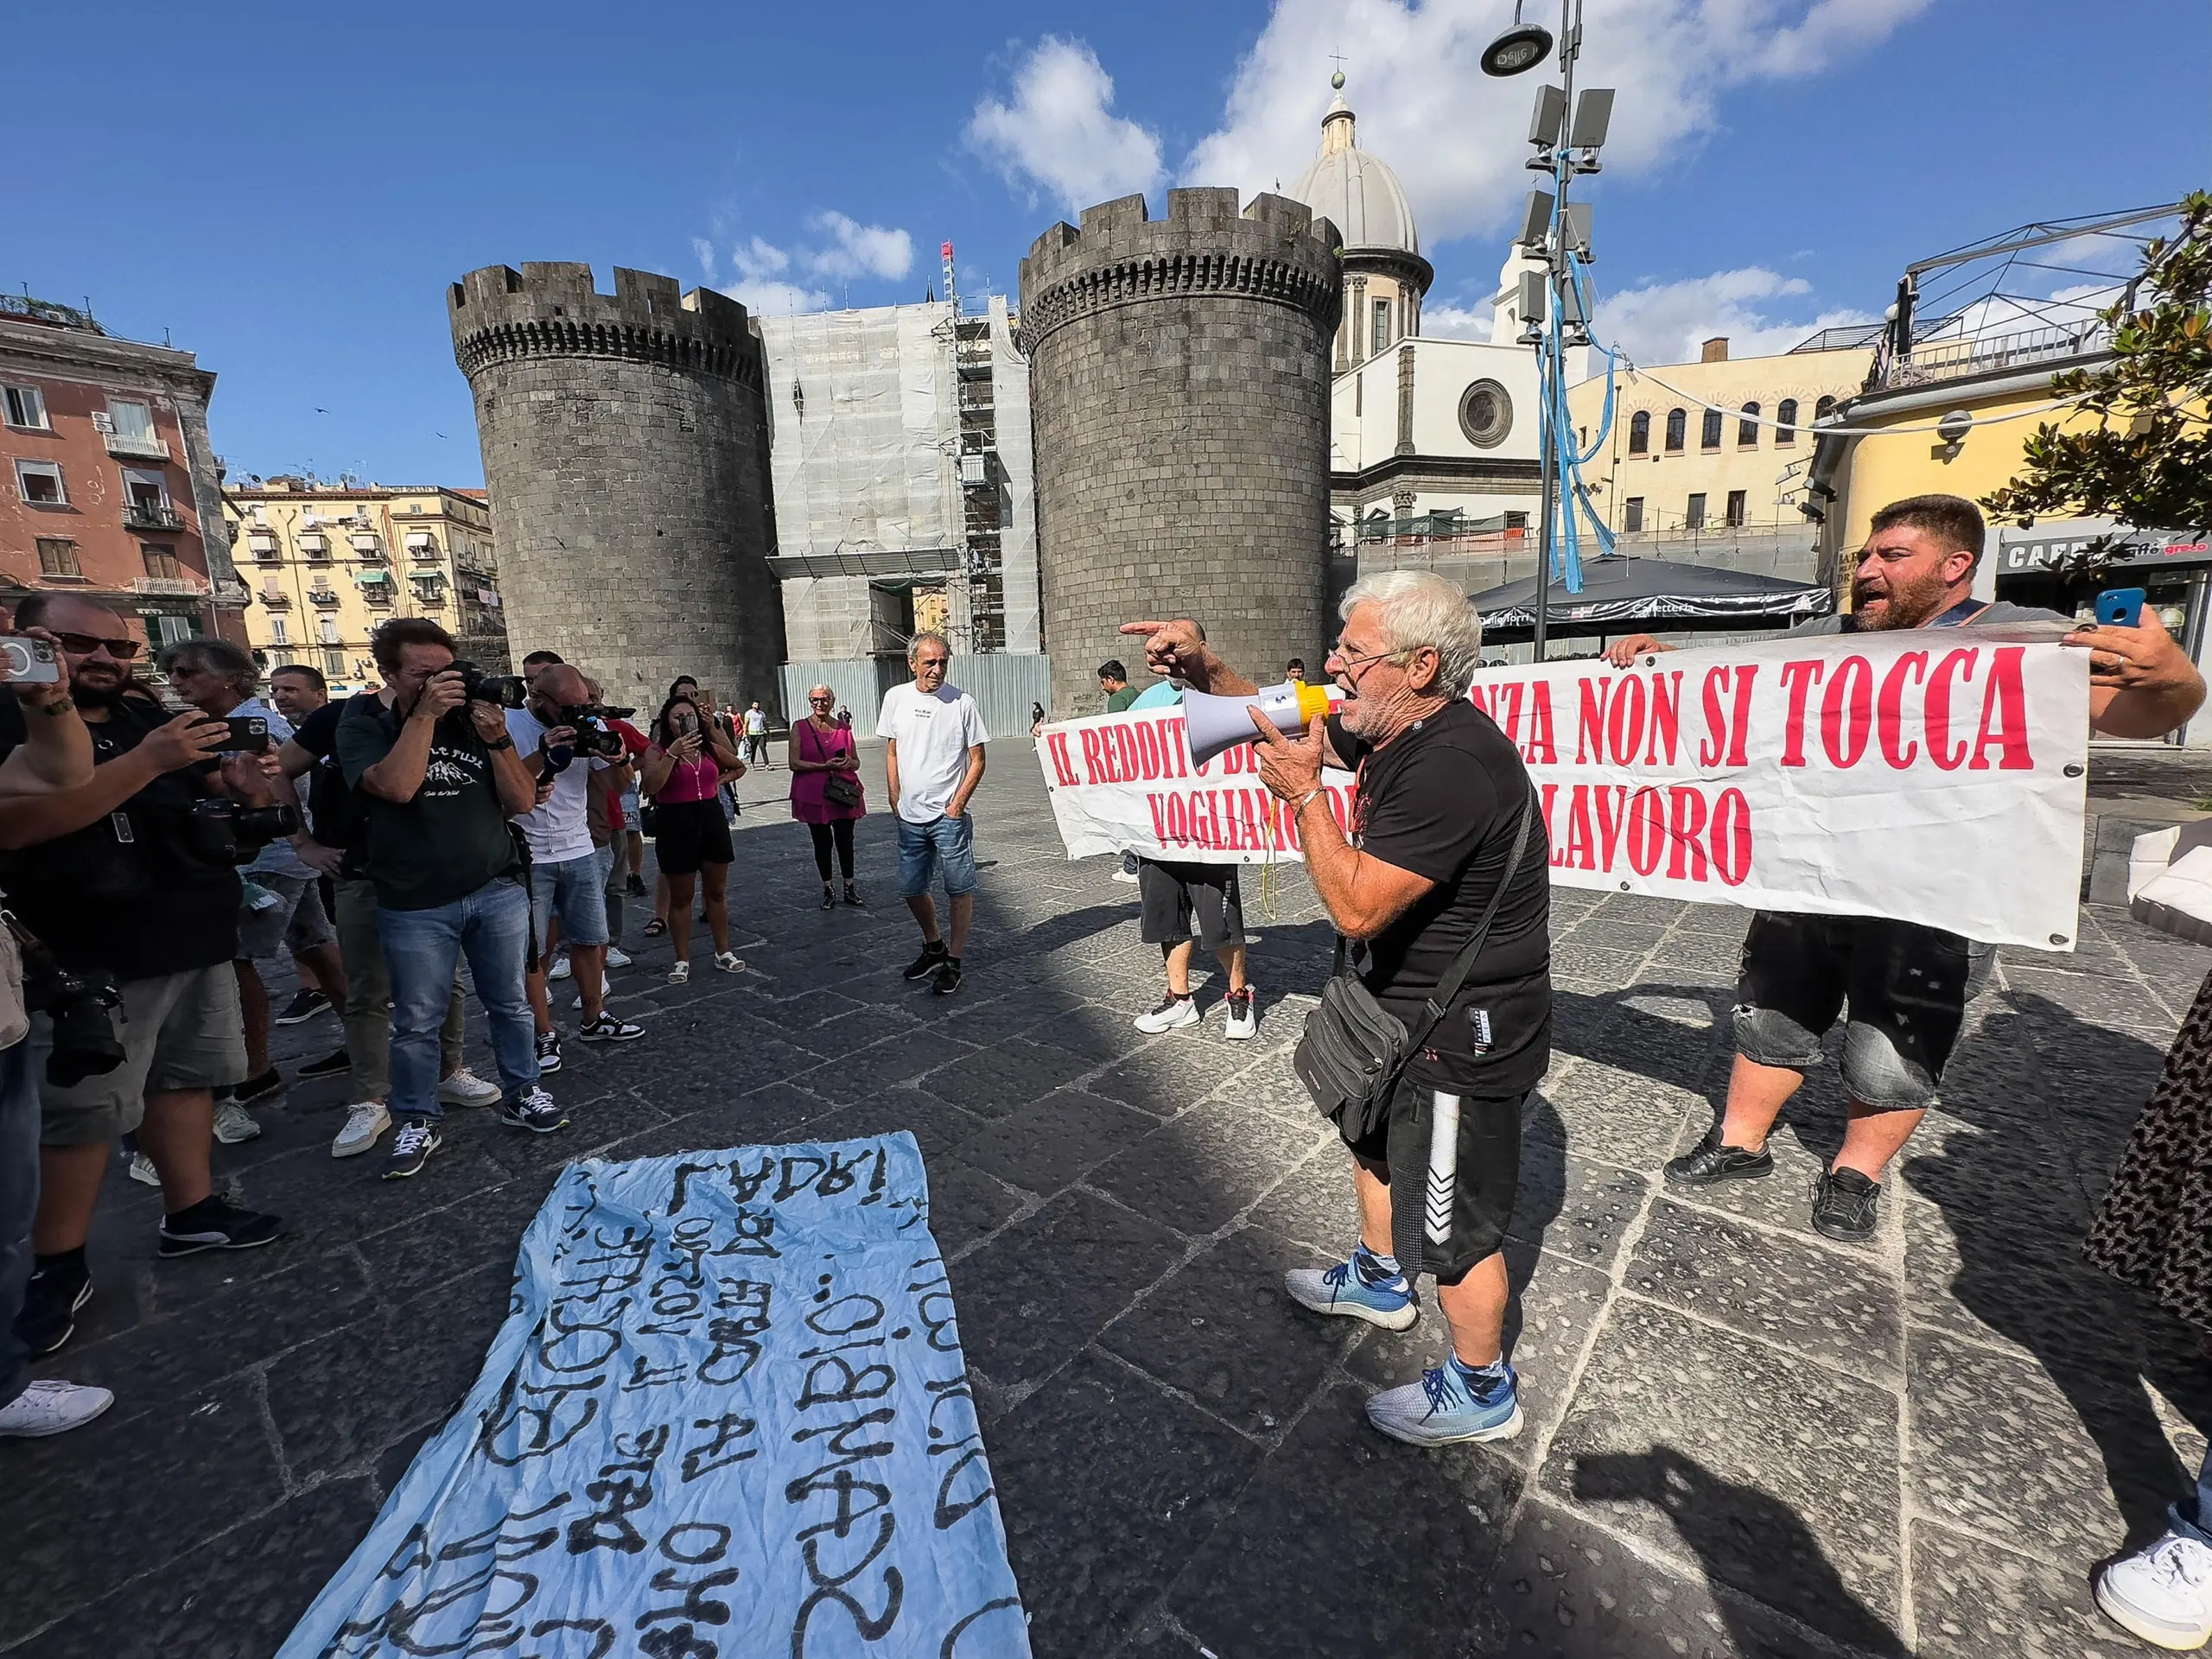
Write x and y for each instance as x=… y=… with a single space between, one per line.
x=727 y=1416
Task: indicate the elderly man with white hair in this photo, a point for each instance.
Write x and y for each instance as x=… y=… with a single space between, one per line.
x=1445 y=871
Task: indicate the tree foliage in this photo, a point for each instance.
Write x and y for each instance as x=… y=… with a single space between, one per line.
x=2147 y=462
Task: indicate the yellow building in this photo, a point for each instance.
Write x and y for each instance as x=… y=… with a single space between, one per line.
x=1725 y=449
x=325 y=564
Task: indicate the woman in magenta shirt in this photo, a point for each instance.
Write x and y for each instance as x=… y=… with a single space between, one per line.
x=685 y=767
x=822 y=747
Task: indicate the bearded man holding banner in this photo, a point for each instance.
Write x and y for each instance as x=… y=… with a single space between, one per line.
x=1442 y=892
x=1906 y=984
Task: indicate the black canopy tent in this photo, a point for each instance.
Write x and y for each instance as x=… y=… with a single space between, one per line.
x=1622 y=595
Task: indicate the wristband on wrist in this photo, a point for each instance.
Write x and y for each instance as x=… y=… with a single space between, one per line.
x=504 y=743
x=1307 y=796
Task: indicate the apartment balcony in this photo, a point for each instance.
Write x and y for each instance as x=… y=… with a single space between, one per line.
x=168 y=587
x=276 y=600
x=324 y=600
x=151 y=515
x=378 y=595
x=124 y=447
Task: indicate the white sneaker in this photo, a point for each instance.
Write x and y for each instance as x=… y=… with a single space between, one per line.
x=1243 y=1023
x=462 y=1087
x=618 y=958
x=50 y=1406
x=365 y=1125
x=560 y=969
x=2163 y=1594
x=1128 y=876
x=233 y=1123
x=142 y=1169
x=1172 y=1013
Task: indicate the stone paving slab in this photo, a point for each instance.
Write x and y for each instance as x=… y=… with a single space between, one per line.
x=1742 y=1438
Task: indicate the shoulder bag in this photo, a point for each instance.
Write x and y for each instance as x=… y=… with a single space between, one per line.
x=839 y=789
x=1353 y=1048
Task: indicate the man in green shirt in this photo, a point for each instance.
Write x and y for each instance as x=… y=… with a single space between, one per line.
x=1114 y=681
x=439 y=777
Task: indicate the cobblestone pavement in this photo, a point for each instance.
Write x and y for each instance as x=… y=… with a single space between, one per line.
x=1742 y=1439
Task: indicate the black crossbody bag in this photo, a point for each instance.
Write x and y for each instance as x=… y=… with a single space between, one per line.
x=1353 y=1048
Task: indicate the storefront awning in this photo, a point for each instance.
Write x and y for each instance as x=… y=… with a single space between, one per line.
x=1622 y=593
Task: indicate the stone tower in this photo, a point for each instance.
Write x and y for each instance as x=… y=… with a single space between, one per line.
x=1180 y=376
x=626 y=447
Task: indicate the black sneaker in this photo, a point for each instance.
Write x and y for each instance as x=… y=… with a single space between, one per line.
x=606 y=1029
x=303 y=1007
x=1844 y=1205
x=412 y=1148
x=1709 y=1161
x=948 y=977
x=330 y=1065
x=534 y=1111
x=270 y=1081
x=50 y=1303
x=927 y=964
x=636 y=886
x=548 y=1051
x=215 y=1223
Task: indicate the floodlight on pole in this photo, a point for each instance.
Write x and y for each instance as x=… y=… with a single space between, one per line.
x=1520 y=47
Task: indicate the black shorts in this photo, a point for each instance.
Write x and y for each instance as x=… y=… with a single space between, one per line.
x=1169 y=895
x=1452 y=1208
x=1906 y=986
x=692 y=833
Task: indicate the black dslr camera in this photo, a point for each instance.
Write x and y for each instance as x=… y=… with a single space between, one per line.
x=505 y=690
x=220 y=832
x=594 y=735
x=81 y=1006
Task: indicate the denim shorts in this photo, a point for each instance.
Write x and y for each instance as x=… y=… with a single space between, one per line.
x=574 y=890
x=295 y=923
x=949 y=843
x=1905 y=986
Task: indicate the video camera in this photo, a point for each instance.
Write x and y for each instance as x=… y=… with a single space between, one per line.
x=505 y=690
x=594 y=735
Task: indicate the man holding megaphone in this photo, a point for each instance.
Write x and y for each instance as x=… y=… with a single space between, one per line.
x=1438 y=1022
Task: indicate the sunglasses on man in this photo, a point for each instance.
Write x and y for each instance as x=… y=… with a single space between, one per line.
x=84 y=645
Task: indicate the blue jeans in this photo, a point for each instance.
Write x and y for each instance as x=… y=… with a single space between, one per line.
x=421 y=947
x=2192 y=1516
x=574 y=890
x=19 y=1123
x=949 y=842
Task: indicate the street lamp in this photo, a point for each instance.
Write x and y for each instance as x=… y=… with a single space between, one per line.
x=1553 y=312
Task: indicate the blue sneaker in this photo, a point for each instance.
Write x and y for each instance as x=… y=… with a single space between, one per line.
x=1344 y=1289
x=1444 y=1407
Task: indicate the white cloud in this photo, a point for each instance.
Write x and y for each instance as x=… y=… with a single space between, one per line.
x=760 y=288
x=1060 y=131
x=759 y=258
x=1455 y=321
x=859 y=250
x=1458 y=138
x=705 y=251
x=1667 y=323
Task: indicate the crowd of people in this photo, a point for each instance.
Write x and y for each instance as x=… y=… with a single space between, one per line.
x=156 y=857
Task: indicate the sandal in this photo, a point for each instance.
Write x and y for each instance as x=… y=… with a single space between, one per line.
x=729 y=961
x=679 y=973
x=655 y=928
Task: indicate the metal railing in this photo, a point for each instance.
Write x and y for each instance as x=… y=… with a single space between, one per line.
x=168 y=585
x=150 y=515
x=1956 y=360
x=124 y=446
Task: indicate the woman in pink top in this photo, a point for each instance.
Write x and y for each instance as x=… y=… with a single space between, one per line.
x=823 y=748
x=686 y=764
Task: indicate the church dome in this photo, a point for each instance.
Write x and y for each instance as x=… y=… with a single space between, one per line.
x=1356 y=190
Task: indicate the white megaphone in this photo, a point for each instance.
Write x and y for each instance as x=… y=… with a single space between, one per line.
x=1217 y=725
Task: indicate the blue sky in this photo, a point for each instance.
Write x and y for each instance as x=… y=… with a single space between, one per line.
x=286 y=190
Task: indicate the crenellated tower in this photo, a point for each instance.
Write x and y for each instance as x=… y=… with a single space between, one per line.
x=625 y=450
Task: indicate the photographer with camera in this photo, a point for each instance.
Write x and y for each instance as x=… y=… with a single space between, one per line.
x=130 y=880
x=282 y=909
x=565 y=739
x=440 y=777
x=685 y=767
x=56 y=754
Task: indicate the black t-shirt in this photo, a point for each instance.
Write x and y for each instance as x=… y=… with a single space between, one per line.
x=1442 y=800
x=453 y=837
x=130 y=892
x=333 y=809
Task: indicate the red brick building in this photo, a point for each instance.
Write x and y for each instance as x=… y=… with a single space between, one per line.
x=108 y=486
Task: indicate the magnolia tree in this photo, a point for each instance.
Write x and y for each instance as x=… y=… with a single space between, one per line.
x=2147 y=462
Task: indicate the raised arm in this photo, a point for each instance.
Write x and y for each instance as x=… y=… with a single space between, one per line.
x=1179 y=650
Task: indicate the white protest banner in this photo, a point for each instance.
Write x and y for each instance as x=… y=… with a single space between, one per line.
x=1931 y=776
x=727 y=1416
x=1125 y=782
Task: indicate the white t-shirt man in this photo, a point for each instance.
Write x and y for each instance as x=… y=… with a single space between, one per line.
x=934 y=732
x=756 y=723
x=560 y=829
